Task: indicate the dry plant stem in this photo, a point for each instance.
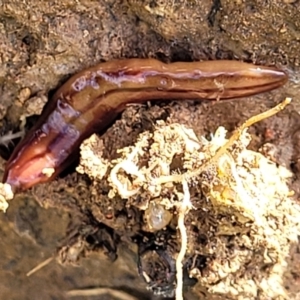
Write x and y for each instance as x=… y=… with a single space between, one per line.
x=237 y=133
x=10 y=136
x=130 y=168
x=100 y=291
x=39 y=266
x=183 y=208
x=186 y=205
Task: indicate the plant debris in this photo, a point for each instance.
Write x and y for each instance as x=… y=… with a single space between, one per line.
x=243 y=195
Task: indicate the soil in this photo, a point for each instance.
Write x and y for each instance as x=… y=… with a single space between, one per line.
x=41 y=46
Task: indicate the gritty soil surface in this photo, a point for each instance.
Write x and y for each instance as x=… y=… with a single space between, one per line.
x=42 y=45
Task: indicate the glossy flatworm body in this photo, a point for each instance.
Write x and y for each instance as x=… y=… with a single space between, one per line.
x=90 y=101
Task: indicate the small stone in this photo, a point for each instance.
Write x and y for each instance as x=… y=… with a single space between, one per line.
x=6 y=193
x=24 y=95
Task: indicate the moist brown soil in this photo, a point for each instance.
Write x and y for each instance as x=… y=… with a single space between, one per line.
x=42 y=45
